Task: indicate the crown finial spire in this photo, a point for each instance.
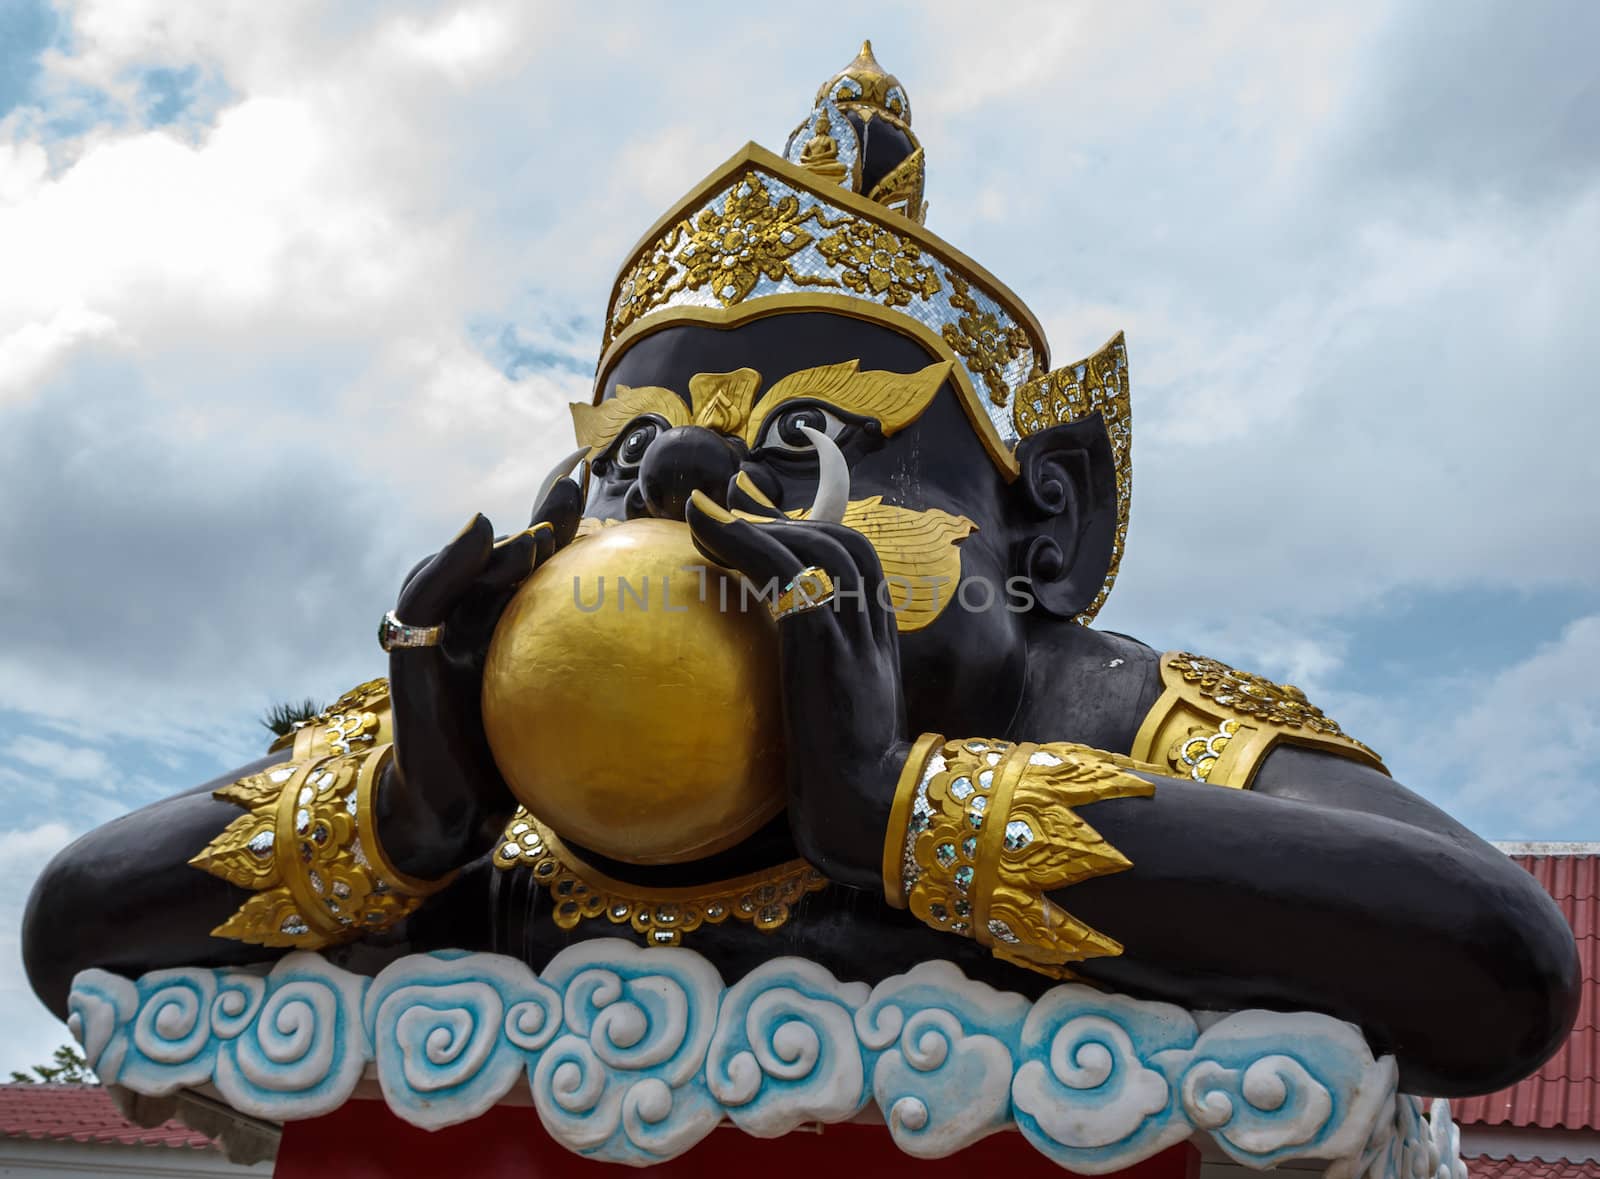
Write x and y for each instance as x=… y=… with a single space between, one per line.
x=859 y=135
x=868 y=88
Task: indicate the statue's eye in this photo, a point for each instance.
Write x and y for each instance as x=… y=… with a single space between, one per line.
x=782 y=431
x=630 y=451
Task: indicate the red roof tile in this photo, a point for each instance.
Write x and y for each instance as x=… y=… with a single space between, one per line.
x=83 y=1113
x=1483 y=1167
x=1565 y=1092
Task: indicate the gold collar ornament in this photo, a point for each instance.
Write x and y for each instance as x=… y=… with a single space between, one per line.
x=662 y=916
x=765 y=234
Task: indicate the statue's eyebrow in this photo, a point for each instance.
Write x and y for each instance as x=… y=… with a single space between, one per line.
x=893 y=400
x=597 y=426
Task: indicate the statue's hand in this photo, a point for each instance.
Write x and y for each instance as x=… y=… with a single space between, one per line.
x=451 y=793
x=844 y=712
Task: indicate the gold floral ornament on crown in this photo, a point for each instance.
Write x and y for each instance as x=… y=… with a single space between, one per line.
x=765 y=234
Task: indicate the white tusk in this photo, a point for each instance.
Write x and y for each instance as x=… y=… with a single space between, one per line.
x=833 y=479
x=560 y=472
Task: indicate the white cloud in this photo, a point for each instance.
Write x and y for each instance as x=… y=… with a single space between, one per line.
x=460 y=44
x=1527 y=744
x=74 y=762
x=24 y=852
x=33 y=352
x=23 y=166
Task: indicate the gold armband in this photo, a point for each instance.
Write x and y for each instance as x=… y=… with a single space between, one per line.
x=308 y=848
x=981 y=831
x=1216 y=724
x=360 y=719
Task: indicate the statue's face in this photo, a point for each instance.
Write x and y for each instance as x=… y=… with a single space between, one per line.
x=689 y=407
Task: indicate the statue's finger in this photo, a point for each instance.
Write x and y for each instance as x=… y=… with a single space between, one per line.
x=545 y=542
x=744 y=496
x=562 y=508
x=738 y=544
x=427 y=599
x=511 y=561
x=562 y=470
x=871 y=569
x=416 y=569
x=856 y=601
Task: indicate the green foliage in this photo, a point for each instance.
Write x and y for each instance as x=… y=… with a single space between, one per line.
x=70 y=1068
x=281 y=718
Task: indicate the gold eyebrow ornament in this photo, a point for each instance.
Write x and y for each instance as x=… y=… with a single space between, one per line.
x=727 y=403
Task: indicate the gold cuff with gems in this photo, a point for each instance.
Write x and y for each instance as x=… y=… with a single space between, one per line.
x=309 y=850
x=981 y=832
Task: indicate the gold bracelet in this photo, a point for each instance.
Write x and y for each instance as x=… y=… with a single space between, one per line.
x=309 y=849
x=980 y=832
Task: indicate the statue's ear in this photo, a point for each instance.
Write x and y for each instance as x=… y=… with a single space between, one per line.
x=1068 y=528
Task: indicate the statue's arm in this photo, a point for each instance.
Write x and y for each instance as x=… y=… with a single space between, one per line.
x=215 y=875
x=1327 y=887
x=124 y=897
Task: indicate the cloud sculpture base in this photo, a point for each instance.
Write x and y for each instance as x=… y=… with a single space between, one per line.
x=634 y=1054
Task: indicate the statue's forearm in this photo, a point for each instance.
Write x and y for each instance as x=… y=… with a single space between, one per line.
x=1228 y=898
x=443 y=801
x=124 y=896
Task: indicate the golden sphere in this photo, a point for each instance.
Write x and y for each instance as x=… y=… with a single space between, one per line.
x=628 y=711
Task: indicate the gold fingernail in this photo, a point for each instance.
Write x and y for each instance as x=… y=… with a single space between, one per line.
x=710 y=507
x=748 y=485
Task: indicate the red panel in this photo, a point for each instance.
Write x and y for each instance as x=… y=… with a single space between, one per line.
x=363 y=1140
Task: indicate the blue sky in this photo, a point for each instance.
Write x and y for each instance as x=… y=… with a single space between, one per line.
x=290 y=290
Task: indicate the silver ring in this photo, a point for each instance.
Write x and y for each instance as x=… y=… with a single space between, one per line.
x=393 y=634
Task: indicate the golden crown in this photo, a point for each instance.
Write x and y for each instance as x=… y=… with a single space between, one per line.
x=764 y=234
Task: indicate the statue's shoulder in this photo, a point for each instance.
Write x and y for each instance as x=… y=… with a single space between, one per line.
x=1088 y=686
x=1216 y=724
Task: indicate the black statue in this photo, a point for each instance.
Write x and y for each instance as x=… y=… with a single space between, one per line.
x=1316 y=883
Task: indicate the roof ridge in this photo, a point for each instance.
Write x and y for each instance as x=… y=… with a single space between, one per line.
x=1548 y=847
x=1558 y=1161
